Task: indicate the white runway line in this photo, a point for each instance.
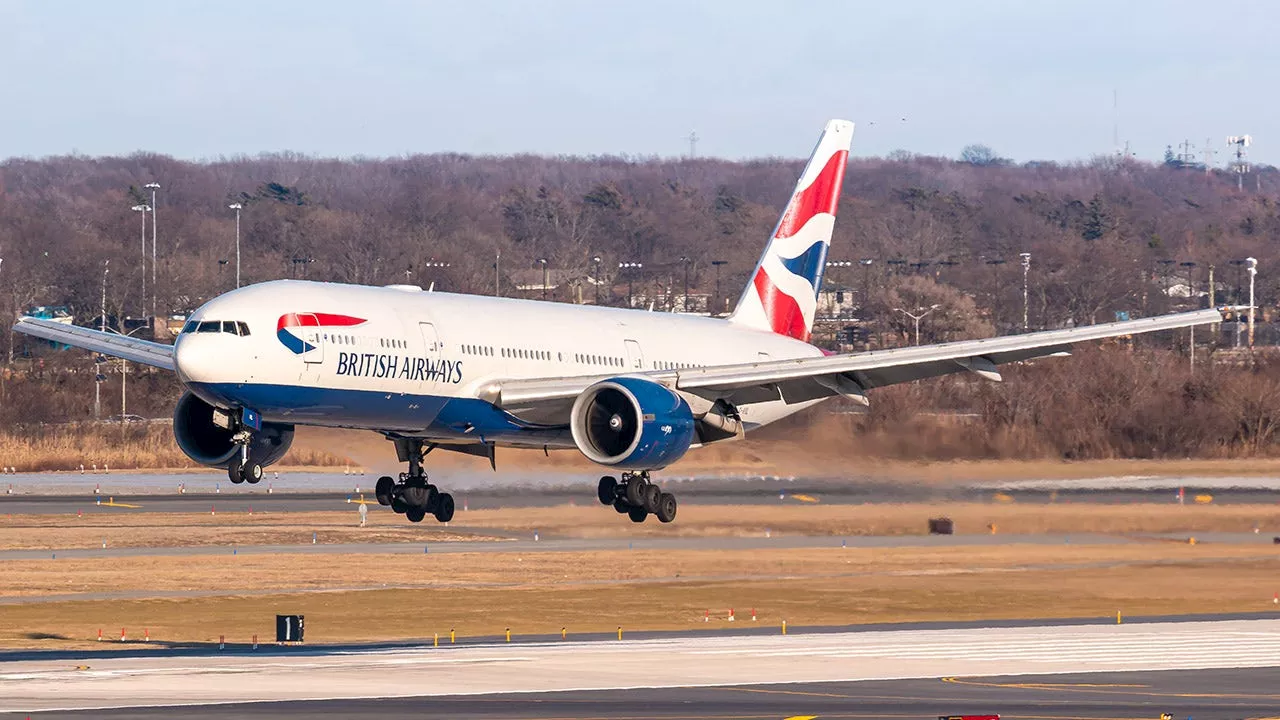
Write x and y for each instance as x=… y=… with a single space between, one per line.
x=670 y=662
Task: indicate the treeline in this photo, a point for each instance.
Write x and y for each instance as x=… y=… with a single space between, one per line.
x=1105 y=236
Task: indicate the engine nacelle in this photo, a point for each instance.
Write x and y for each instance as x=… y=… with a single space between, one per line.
x=209 y=442
x=632 y=424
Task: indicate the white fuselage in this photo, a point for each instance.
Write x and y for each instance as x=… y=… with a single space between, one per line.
x=412 y=362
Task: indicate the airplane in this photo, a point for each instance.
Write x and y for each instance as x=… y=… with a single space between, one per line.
x=632 y=390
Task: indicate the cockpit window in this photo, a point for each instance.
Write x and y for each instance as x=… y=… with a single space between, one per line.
x=231 y=327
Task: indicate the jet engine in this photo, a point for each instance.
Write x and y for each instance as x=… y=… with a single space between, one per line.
x=206 y=434
x=631 y=424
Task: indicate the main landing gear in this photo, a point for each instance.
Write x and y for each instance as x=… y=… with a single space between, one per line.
x=637 y=497
x=413 y=496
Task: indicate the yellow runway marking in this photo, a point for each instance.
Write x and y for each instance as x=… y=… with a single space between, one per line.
x=113 y=503
x=804 y=498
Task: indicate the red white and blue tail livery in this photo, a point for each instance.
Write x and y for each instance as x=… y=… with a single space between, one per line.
x=632 y=391
x=783 y=293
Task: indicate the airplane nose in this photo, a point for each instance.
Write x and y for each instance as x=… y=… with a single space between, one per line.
x=194 y=359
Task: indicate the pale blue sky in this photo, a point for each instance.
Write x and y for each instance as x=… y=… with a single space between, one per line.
x=1033 y=79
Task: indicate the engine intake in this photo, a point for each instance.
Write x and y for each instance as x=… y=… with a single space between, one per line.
x=632 y=424
x=210 y=443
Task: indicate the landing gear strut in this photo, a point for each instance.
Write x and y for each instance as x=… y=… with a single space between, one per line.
x=245 y=468
x=412 y=495
x=636 y=497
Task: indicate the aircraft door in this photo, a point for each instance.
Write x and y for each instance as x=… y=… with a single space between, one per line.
x=635 y=358
x=312 y=338
x=432 y=369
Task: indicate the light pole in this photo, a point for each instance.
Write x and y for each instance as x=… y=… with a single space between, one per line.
x=1253 y=273
x=995 y=264
x=1026 y=270
x=718 y=264
x=102 y=327
x=684 y=304
x=153 y=187
x=543 y=263
x=866 y=282
x=429 y=264
x=597 y=261
x=237 y=207
x=918 y=318
x=631 y=280
x=144 y=209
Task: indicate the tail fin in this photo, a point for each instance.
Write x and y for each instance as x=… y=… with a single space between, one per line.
x=783 y=293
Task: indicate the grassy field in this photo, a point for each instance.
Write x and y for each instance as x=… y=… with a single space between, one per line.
x=126 y=528
x=352 y=598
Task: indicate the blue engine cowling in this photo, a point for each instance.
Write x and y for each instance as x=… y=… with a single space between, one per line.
x=632 y=424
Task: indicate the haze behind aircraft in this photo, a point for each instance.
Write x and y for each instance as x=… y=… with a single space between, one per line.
x=632 y=390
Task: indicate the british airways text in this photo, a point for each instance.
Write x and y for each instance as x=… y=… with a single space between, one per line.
x=379 y=365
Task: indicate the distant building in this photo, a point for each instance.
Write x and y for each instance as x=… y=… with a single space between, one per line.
x=836 y=302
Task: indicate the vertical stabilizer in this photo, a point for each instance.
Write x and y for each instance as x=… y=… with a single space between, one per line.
x=783 y=293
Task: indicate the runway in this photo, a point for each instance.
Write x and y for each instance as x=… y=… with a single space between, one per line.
x=1204 y=695
x=873 y=673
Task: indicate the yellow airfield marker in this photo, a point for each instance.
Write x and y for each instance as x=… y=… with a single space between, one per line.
x=111 y=502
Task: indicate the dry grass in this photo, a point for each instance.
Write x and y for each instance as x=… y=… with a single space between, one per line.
x=125 y=528
x=123 y=447
x=887 y=519
x=535 y=593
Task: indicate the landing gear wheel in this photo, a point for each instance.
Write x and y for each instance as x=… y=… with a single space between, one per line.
x=607 y=491
x=383 y=490
x=651 y=497
x=399 y=505
x=637 y=514
x=233 y=473
x=621 y=506
x=636 y=491
x=252 y=472
x=415 y=514
x=666 y=510
x=444 y=508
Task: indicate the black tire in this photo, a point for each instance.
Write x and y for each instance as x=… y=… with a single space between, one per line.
x=652 y=495
x=383 y=490
x=399 y=505
x=444 y=508
x=666 y=511
x=621 y=506
x=234 y=474
x=636 y=491
x=415 y=514
x=637 y=515
x=252 y=472
x=607 y=490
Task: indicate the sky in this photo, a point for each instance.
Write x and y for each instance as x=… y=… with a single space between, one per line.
x=1034 y=80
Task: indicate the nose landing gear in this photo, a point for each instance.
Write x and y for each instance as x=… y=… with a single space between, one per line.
x=637 y=497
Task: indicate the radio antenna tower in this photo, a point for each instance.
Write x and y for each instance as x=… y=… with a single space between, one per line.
x=1241 y=164
x=693 y=144
x=1208 y=156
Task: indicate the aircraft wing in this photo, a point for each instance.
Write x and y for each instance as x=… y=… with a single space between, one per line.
x=140 y=351
x=849 y=375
